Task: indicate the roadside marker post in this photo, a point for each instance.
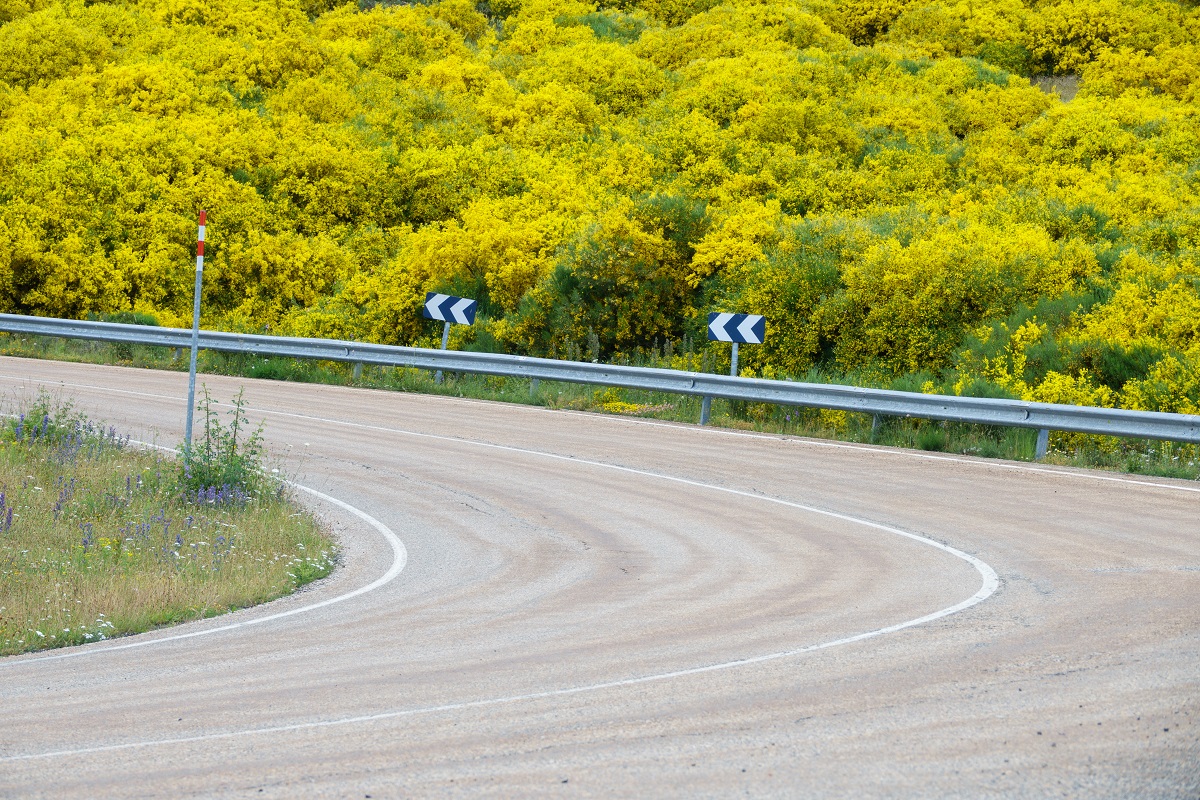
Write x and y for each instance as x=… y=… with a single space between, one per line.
x=449 y=309
x=736 y=329
x=191 y=401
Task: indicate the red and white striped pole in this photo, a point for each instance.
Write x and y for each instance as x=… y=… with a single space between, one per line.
x=191 y=402
x=200 y=242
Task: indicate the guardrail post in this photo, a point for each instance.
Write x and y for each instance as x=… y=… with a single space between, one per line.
x=706 y=403
x=876 y=423
x=533 y=387
x=357 y=370
x=1043 y=444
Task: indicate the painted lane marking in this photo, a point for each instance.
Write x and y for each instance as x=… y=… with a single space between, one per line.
x=990 y=583
x=893 y=452
x=519 y=698
x=898 y=452
x=399 y=559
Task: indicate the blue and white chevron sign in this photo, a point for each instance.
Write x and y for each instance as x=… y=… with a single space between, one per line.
x=744 y=328
x=448 y=308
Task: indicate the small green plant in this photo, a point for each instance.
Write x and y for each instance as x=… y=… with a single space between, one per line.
x=223 y=457
x=63 y=433
x=932 y=438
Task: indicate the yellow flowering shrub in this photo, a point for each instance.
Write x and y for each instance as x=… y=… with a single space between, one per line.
x=1068 y=35
x=879 y=178
x=1172 y=384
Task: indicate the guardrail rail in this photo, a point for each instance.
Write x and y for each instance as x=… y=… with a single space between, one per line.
x=985 y=411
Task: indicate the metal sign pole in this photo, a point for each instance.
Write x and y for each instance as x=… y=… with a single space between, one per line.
x=437 y=378
x=735 y=329
x=191 y=400
x=448 y=308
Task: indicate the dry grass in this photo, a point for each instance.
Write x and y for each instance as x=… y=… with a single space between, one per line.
x=97 y=539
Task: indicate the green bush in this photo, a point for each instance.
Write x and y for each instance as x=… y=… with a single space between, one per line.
x=130 y=318
x=223 y=459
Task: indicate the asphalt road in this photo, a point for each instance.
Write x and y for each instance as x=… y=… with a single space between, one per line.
x=552 y=603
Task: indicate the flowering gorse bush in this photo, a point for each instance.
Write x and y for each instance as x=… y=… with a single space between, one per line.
x=877 y=177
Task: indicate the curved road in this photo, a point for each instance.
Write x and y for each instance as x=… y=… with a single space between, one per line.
x=538 y=602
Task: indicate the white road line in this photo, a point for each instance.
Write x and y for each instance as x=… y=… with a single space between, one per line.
x=990 y=583
x=989 y=586
x=399 y=559
x=979 y=596
x=893 y=452
x=896 y=452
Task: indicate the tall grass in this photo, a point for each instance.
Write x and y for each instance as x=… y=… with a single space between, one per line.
x=99 y=538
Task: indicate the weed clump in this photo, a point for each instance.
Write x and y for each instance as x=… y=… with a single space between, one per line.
x=225 y=463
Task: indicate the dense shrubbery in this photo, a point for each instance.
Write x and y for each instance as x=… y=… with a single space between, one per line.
x=878 y=177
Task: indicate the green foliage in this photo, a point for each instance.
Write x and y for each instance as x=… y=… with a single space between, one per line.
x=609 y=25
x=58 y=433
x=130 y=318
x=932 y=438
x=877 y=177
x=624 y=282
x=1009 y=56
x=1113 y=364
x=223 y=457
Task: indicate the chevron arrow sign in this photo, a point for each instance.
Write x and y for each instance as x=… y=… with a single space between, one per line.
x=744 y=328
x=448 y=308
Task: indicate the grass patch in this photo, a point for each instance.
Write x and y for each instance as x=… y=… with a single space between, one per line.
x=99 y=538
x=1145 y=457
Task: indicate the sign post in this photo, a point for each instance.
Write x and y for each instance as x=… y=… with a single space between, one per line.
x=448 y=309
x=737 y=329
x=191 y=401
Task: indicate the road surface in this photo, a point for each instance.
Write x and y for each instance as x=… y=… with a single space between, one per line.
x=540 y=602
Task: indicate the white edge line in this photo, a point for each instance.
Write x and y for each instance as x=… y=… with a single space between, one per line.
x=1081 y=473
x=989 y=585
x=804 y=441
x=399 y=559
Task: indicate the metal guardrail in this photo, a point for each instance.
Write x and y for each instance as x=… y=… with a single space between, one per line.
x=984 y=411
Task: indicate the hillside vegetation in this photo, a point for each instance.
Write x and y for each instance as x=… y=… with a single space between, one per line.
x=879 y=178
